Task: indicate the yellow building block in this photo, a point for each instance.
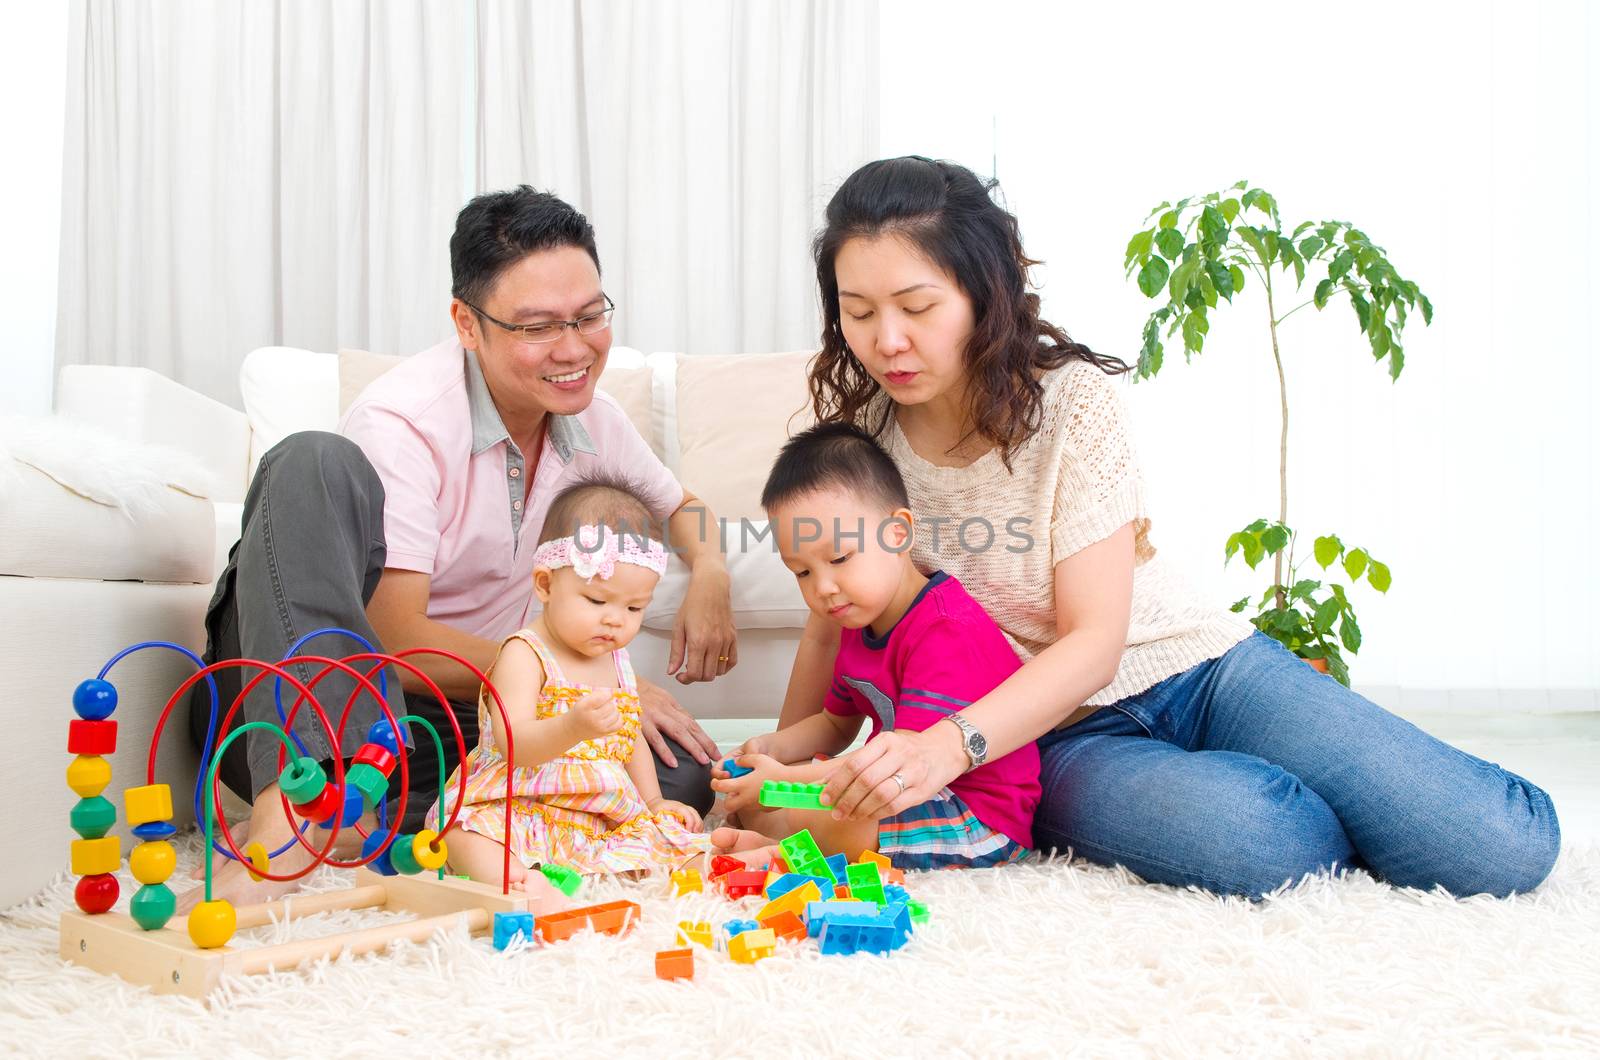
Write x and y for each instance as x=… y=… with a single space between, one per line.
x=748 y=947
x=695 y=931
x=153 y=802
x=153 y=862
x=88 y=775
x=688 y=881
x=90 y=857
x=794 y=902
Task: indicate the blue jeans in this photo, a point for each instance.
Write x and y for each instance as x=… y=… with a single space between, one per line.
x=1252 y=770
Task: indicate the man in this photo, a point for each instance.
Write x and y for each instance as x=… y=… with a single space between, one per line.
x=414 y=527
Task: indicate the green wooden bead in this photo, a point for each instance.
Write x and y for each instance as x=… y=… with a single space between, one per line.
x=302 y=780
x=93 y=817
x=366 y=779
x=152 y=906
x=403 y=858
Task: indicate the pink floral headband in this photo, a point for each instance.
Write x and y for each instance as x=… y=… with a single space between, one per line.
x=596 y=550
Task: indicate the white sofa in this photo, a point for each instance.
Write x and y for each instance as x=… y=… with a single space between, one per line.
x=81 y=580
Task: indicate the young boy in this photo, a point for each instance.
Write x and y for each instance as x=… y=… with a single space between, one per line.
x=913 y=650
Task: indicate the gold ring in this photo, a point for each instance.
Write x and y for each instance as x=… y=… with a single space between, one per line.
x=722 y=658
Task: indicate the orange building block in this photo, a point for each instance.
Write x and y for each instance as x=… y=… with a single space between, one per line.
x=675 y=964
x=894 y=876
x=786 y=925
x=611 y=918
x=876 y=858
x=841 y=893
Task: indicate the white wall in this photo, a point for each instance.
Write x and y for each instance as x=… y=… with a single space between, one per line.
x=33 y=85
x=1462 y=139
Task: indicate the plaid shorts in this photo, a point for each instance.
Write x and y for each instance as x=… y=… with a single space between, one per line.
x=943 y=834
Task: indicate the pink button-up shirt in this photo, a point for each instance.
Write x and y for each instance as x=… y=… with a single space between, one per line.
x=453 y=482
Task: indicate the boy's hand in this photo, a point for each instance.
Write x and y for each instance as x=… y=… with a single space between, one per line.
x=594 y=715
x=686 y=814
x=746 y=790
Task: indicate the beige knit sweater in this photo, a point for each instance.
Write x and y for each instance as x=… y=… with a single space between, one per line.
x=1073 y=483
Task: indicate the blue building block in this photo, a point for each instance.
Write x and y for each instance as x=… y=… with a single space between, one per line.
x=839 y=865
x=898 y=916
x=817 y=912
x=508 y=926
x=893 y=892
x=845 y=935
x=790 y=880
x=734 y=927
x=735 y=770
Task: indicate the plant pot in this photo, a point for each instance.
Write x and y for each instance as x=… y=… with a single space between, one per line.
x=1319 y=665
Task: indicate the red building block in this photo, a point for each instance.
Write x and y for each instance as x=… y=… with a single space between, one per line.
x=611 y=918
x=722 y=864
x=675 y=964
x=746 y=882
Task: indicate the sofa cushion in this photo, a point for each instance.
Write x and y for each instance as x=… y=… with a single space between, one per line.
x=763 y=592
x=734 y=412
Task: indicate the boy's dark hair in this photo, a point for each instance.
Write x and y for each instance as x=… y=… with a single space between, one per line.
x=838 y=455
x=498 y=229
x=600 y=500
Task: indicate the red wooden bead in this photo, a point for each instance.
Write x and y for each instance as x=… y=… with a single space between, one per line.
x=85 y=737
x=324 y=806
x=97 y=893
x=376 y=756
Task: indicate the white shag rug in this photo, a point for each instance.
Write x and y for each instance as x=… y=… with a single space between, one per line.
x=1045 y=959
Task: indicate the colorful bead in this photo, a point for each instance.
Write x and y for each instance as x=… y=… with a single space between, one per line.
x=93 y=817
x=152 y=802
x=91 y=857
x=86 y=737
x=429 y=850
x=402 y=858
x=382 y=734
x=351 y=803
x=88 y=775
x=154 y=830
x=94 y=699
x=212 y=924
x=323 y=807
x=152 y=906
x=153 y=862
x=376 y=757
x=381 y=864
x=256 y=861
x=303 y=780
x=96 y=893
x=368 y=784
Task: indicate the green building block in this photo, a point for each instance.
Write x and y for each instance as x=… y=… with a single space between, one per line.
x=564 y=879
x=918 y=911
x=794 y=796
x=864 y=882
x=802 y=855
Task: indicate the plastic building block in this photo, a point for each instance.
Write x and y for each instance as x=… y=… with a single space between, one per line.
x=738 y=927
x=875 y=858
x=153 y=861
x=675 y=964
x=153 y=802
x=898 y=916
x=93 y=817
x=918 y=911
x=88 y=775
x=786 y=925
x=152 y=906
x=733 y=769
x=431 y=852
x=740 y=884
x=894 y=876
x=790 y=880
x=687 y=881
x=839 y=866
x=566 y=880
x=212 y=924
x=894 y=893
x=844 y=935
x=864 y=882
x=817 y=912
x=794 y=901
x=802 y=854
x=91 y=857
x=508 y=926
x=697 y=932
x=795 y=796
x=96 y=893
x=778 y=865
x=842 y=893
x=609 y=918
x=748 y=947
x=94 y=699
x=722 y=864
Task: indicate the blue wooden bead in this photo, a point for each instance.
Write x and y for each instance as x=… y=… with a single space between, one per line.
x=94 y=699
x=380 y=864
x=155 y=830
x=382 y=734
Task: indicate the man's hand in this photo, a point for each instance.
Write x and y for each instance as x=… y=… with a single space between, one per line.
x=704 y=643
x=663 y=717
x=686 y=814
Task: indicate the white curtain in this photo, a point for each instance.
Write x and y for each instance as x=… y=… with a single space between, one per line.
x=241 y=174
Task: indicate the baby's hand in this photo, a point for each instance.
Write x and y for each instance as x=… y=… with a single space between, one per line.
x=746 y=790
x=686 y=814
x=594 y=715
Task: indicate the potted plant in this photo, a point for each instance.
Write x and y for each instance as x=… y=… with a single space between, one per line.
x=1200 y=252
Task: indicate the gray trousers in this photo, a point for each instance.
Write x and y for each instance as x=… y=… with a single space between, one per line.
x=310 y=553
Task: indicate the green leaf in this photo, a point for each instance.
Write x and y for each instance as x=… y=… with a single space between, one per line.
x=1237 y=275
x=1310 y=245
x=1397 y=361
x=1213 y=226
x=1250 y=197
x=1253 y=551
x=1269 y=242
x=1256 y=527
x=1221 y=278
x=1153 y=277
x=1378 y=576
x=1379 y=335
x=1362 y=307
x=1230 y=209
x=1150 y=352
x=1303 y=589
x=1320 y=298
x=1275 y=538
x=1340 y=264
x=1355 y=561
x=1427 y=308
x=1327 y=550
x=1239 y=604
x=1168 y=220
x=1263 y=202
x=1252 y=239
x=1170 y=242
x=1138 y=247
x=1327 y=613
x=1350 y=634
x=1178 y=286
x=1337 y=669
x=1195 y=327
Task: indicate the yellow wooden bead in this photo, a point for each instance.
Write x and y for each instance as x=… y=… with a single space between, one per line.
x=153 y=863
x=88 y=775
x=153 y=802
x=212 y=924
x=90 y=857
x=257 y=863
x=429 y=850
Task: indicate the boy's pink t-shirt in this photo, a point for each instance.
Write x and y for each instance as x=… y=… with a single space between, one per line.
x=945 y=653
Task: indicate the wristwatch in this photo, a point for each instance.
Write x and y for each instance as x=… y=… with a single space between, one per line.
x=972 y=741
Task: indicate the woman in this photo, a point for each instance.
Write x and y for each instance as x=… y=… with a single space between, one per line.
x=1176 y=740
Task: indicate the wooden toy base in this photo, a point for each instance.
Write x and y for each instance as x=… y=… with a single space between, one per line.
x=168 y=962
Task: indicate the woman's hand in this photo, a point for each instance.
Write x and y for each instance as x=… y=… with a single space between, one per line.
x=862 y=787
x=660 y=716
x=704 y=643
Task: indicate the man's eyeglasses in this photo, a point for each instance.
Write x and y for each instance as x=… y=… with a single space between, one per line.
x=551 y=330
